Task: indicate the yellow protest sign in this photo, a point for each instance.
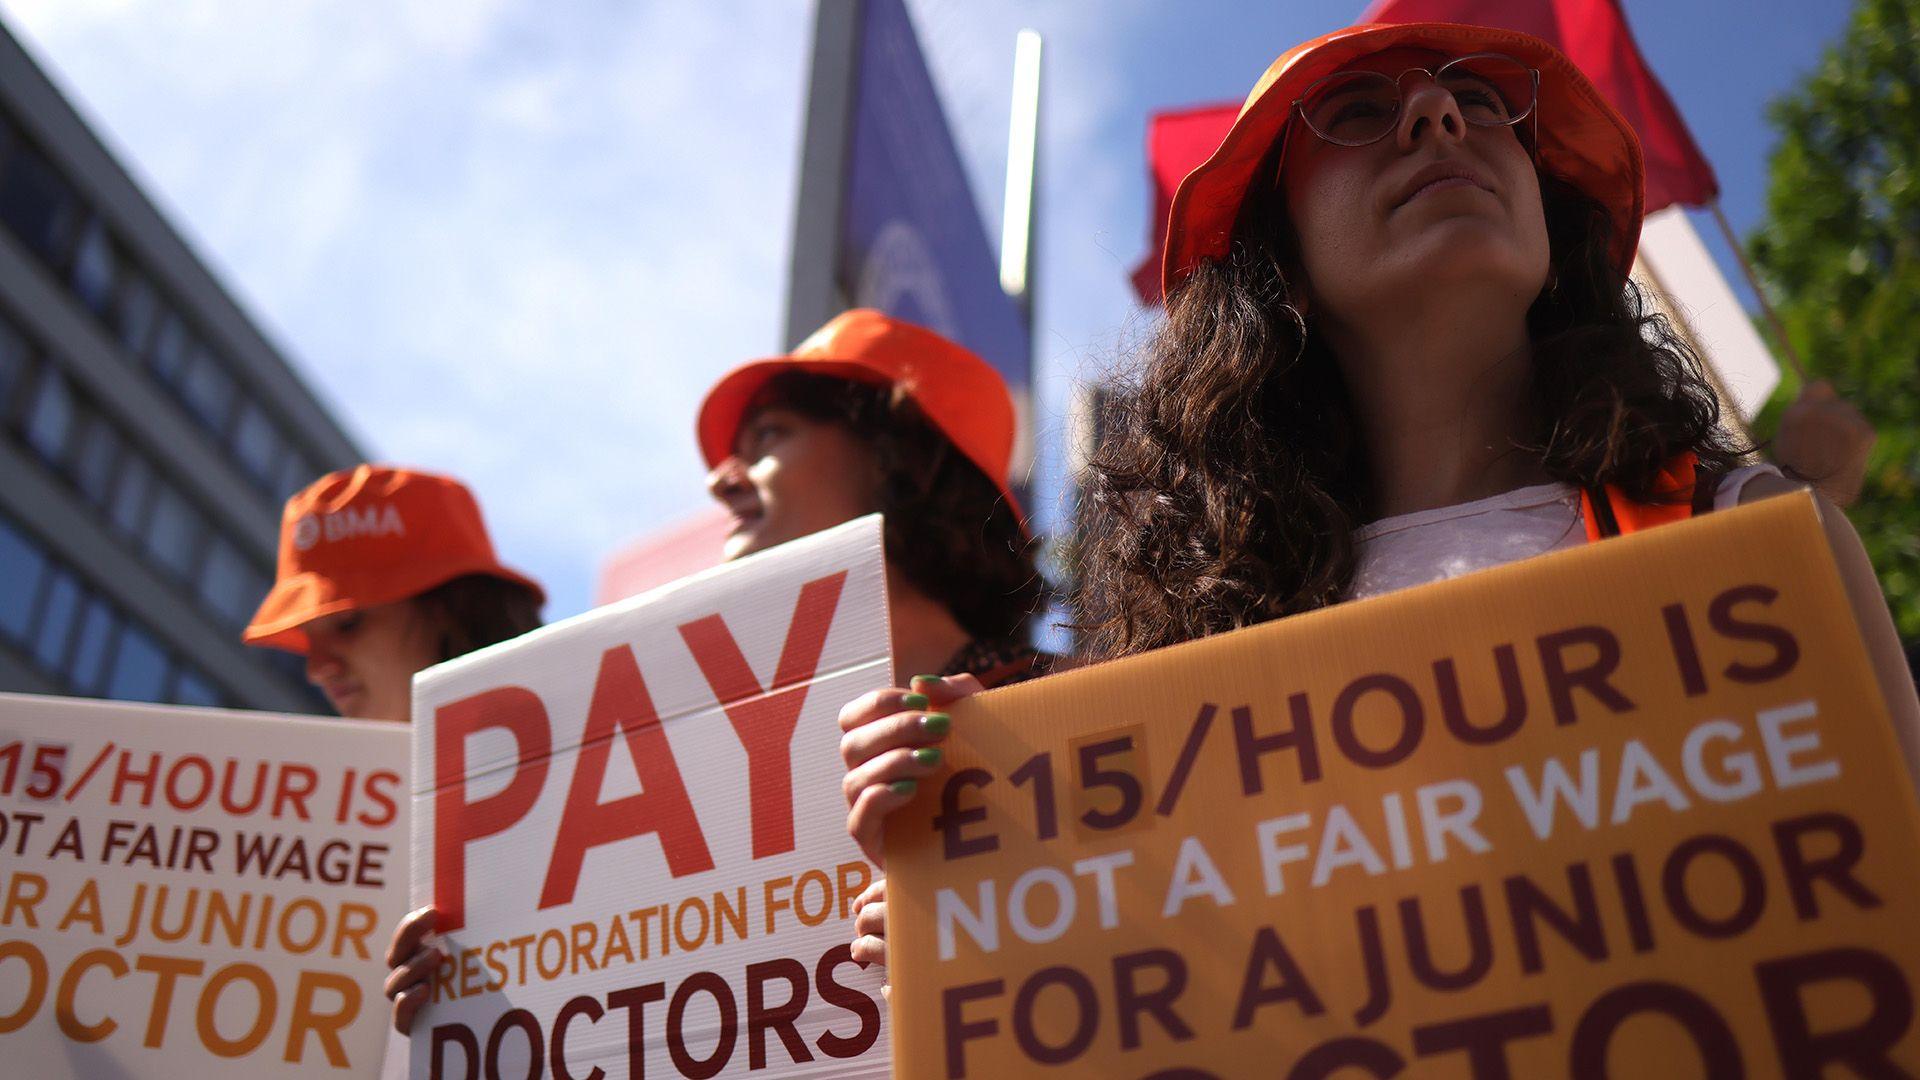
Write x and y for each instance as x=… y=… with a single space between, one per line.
x=1629 y=810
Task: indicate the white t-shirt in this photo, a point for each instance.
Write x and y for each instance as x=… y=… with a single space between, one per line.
x=1448 y=541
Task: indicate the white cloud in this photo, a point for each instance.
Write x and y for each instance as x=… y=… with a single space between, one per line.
x=516 y=241
x=510 y=244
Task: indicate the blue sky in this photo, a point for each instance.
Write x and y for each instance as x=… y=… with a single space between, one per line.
x=515 y=240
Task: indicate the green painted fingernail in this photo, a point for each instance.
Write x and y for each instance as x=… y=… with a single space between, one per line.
x=904 y=787
x=914 y=701
x=927 y=755
x=936 y=723
x=926 y=678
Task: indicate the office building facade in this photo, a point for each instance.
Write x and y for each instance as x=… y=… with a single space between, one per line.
x=149 y=433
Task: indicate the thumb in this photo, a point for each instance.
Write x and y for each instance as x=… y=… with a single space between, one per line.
x=945 y=688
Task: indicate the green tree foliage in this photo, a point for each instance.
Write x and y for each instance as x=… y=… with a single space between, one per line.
x=1840 y=254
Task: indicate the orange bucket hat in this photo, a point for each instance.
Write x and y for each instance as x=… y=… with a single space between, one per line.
x=371 y=535
x=961 y=395
x=1582 y=139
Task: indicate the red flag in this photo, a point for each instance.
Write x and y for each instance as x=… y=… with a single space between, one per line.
x=1594 y=35
x=1176 y=143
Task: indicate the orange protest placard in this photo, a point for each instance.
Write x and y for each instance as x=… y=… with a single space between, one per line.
x=1629 y=810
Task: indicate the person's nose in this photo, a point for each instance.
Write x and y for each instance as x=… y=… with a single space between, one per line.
x=1428 y=111
x=322 y=663
x=727 y=477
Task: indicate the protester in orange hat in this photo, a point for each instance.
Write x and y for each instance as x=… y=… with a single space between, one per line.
x=1400 y=345
x=870 y=413
x=383 y=572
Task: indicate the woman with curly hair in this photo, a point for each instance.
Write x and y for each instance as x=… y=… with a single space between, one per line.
x=1401 y=345
x=870 y=413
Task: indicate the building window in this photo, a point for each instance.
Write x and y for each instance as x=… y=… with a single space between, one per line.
x=93 y=461
x=295 y=473
x=229 y=584
x=131 y=495
x=16 y=359
x=38 y=206
x=58 y=609
x=93 y=267
x=257 y=444
x=174 y=532
x=87 y=670
x=84 y=641
x=135 y=311
x=193 y=688
x=50 y=418
x=139 y=670
x=168 y=356
x=208 y=390
x=22 y=567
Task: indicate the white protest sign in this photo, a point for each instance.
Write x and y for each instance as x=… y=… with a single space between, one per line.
x=631 y=823
x=195 y=892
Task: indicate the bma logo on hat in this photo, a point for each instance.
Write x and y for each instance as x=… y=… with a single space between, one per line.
x=349 y=524
x=306 y=533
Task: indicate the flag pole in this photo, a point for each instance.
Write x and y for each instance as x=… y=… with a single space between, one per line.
x=1753 y=280
x=1019 y=238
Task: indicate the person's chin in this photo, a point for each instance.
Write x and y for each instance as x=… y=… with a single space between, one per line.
x=1463 y=220
x=1462 y=246
x=745 y=541
x=390 y=710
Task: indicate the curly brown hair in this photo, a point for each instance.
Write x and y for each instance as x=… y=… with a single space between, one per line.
x=1233 y=476
x=948 y=528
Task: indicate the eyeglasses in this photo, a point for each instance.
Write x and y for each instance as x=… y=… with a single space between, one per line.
x=1356 y=108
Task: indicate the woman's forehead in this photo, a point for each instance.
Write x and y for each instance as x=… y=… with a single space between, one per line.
x=332 y=622
x=754 y=414
x=772 y=410
x=767 y=400
x=760 y=407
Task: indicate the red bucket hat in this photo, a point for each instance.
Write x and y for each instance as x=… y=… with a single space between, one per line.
x=371 y=535
x=1582 y=139
x=961 y=395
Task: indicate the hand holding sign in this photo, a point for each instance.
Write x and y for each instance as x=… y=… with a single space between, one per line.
x=412 y=962
x=888 y=742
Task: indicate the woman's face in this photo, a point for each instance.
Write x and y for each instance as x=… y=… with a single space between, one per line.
x=1436 y=204
x=790 y=476
x=364 y=660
